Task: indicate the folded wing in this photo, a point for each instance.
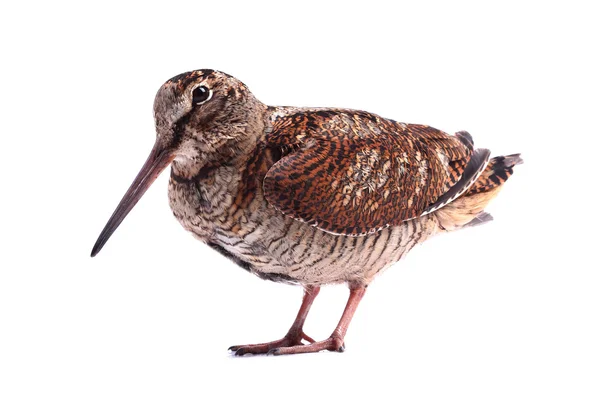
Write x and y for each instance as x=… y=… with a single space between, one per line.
x=354 y=173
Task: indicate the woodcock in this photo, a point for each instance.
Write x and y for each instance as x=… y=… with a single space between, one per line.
x=309 y=196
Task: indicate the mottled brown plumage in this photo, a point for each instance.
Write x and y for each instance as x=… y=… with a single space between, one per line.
x=308 y=196
x=354 y=173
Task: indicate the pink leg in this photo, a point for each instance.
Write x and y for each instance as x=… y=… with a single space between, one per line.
x=336 y=341
x=295 y=334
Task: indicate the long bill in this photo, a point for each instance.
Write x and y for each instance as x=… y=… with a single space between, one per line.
x=157 y=161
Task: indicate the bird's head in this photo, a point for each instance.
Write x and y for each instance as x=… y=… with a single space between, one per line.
x=201 y=117
x=199 y=112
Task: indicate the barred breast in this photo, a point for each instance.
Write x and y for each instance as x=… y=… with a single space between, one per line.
x=220 y=210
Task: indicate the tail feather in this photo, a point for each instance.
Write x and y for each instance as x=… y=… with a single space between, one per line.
x=480 y=219
x=468 y=209
x=498 y=170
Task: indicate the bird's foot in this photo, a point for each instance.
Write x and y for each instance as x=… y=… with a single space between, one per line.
x=333 y=343
x=288 y=341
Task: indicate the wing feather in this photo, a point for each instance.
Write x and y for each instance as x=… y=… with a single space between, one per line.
x=354 y=173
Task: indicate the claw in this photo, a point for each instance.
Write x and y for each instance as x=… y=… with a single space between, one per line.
x=239 y=352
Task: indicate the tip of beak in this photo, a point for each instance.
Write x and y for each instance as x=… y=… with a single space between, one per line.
x=95 y=251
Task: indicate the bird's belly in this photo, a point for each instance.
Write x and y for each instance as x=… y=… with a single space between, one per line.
x=280 y=248
x=274 y=246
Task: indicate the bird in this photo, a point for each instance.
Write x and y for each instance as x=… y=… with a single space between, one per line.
x=308 y=196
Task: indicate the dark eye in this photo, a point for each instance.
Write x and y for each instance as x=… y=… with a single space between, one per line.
x=201 y=95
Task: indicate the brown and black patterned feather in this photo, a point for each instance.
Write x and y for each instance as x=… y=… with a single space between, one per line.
x=497 y=171
x=470 y=175
x=353 y=173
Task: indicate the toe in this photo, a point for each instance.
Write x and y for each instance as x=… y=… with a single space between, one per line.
x=274 y=352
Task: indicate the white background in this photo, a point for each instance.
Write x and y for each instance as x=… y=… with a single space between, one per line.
x=505 y=311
